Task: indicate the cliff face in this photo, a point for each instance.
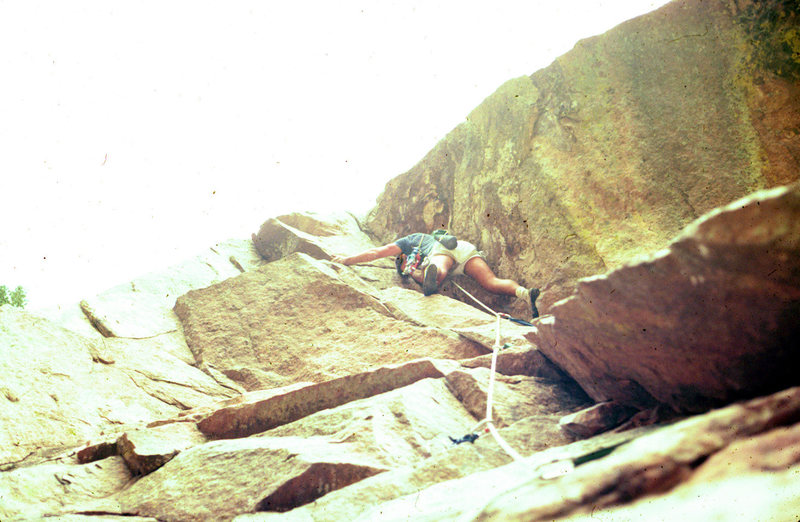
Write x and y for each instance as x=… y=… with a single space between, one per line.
x=263 y=380
x=276 y=383
x=610 y=151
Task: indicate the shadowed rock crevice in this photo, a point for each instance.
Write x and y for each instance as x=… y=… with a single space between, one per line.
x=319 y=479
x=256 y=413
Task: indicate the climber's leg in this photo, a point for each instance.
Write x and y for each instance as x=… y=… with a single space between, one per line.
x=443 y=265
x=479 y=270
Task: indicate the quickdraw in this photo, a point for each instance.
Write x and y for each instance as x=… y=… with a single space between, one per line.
x=469 y=437
x=515 y=320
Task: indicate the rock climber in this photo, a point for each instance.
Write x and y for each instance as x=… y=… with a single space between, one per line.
x=438 y=262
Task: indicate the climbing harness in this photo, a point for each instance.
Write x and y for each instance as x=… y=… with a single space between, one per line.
x=413 y=260
x=490 y=394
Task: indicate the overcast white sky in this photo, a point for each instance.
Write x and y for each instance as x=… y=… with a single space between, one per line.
x=135 y=134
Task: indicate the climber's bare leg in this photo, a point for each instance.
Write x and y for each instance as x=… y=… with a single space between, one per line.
x=477 y=269
x=443 y=265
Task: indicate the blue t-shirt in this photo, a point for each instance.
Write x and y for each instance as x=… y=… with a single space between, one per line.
x=412 y=241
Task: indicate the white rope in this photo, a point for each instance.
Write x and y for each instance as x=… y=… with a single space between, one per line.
x=490 y=394
x=475 y=299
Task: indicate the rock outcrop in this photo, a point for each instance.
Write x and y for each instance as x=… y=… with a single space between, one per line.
x=350 y=379
x=721 y=303
x=387 y=432
x=262 y=380
x=297 y=319
x=613 y=149
x=60 y=389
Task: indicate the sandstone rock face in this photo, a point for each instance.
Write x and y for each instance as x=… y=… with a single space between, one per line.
x=611 y=469
x=299 y=319
x=347 y=422
x=362 y=427
x=32 y=493
x=221 y=479
x=285 y=385
x=143 y=308
x=316 y=235
x=721 y=303
x=596 y=419
x=256 y=413
x=144 y=451
x=515 y=397
x=42 y=407
x=610 y=151
x=322 y=237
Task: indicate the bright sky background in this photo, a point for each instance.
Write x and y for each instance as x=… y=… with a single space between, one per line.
x=135 y=134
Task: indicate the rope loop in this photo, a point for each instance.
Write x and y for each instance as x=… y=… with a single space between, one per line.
x=490 y=394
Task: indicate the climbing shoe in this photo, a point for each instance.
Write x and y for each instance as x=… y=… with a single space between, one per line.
x=534 y=293
x=429 y=285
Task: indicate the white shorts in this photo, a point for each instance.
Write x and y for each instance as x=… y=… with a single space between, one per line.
x=462 y=253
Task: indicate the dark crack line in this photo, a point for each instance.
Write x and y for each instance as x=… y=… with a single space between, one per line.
x=7 y=466
x=175 y=402
x=224 y=385
x=687 y=36
x=147 y=337
x=157 y=379
x=91 y=513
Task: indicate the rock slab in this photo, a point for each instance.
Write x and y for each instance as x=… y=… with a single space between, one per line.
x=721 y=303
x=300 y=319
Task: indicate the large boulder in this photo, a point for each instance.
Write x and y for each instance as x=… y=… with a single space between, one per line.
x=322 y=236
x=220 y=479
x=143 y=308
x=752 y=479
x=584 y=477
x=33 y=492
x=720 y=304
x=319 y=236
x=59 y=389
x=301 y=319
x=614 y=148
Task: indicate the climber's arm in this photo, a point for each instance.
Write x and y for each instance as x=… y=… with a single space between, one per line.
x=369 y=255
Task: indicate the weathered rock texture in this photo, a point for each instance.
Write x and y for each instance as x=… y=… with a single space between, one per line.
x=611 y=150
x=143 y=308
x=654 y=463
x=258 y=412
x=263 y=380
x=318 y=236
x=59 y=389
x=298 y=319
x=221 y=479
x=373 y=436
x=721 y=304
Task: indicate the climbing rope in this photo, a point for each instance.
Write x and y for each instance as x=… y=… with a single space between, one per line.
x=490 y=394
